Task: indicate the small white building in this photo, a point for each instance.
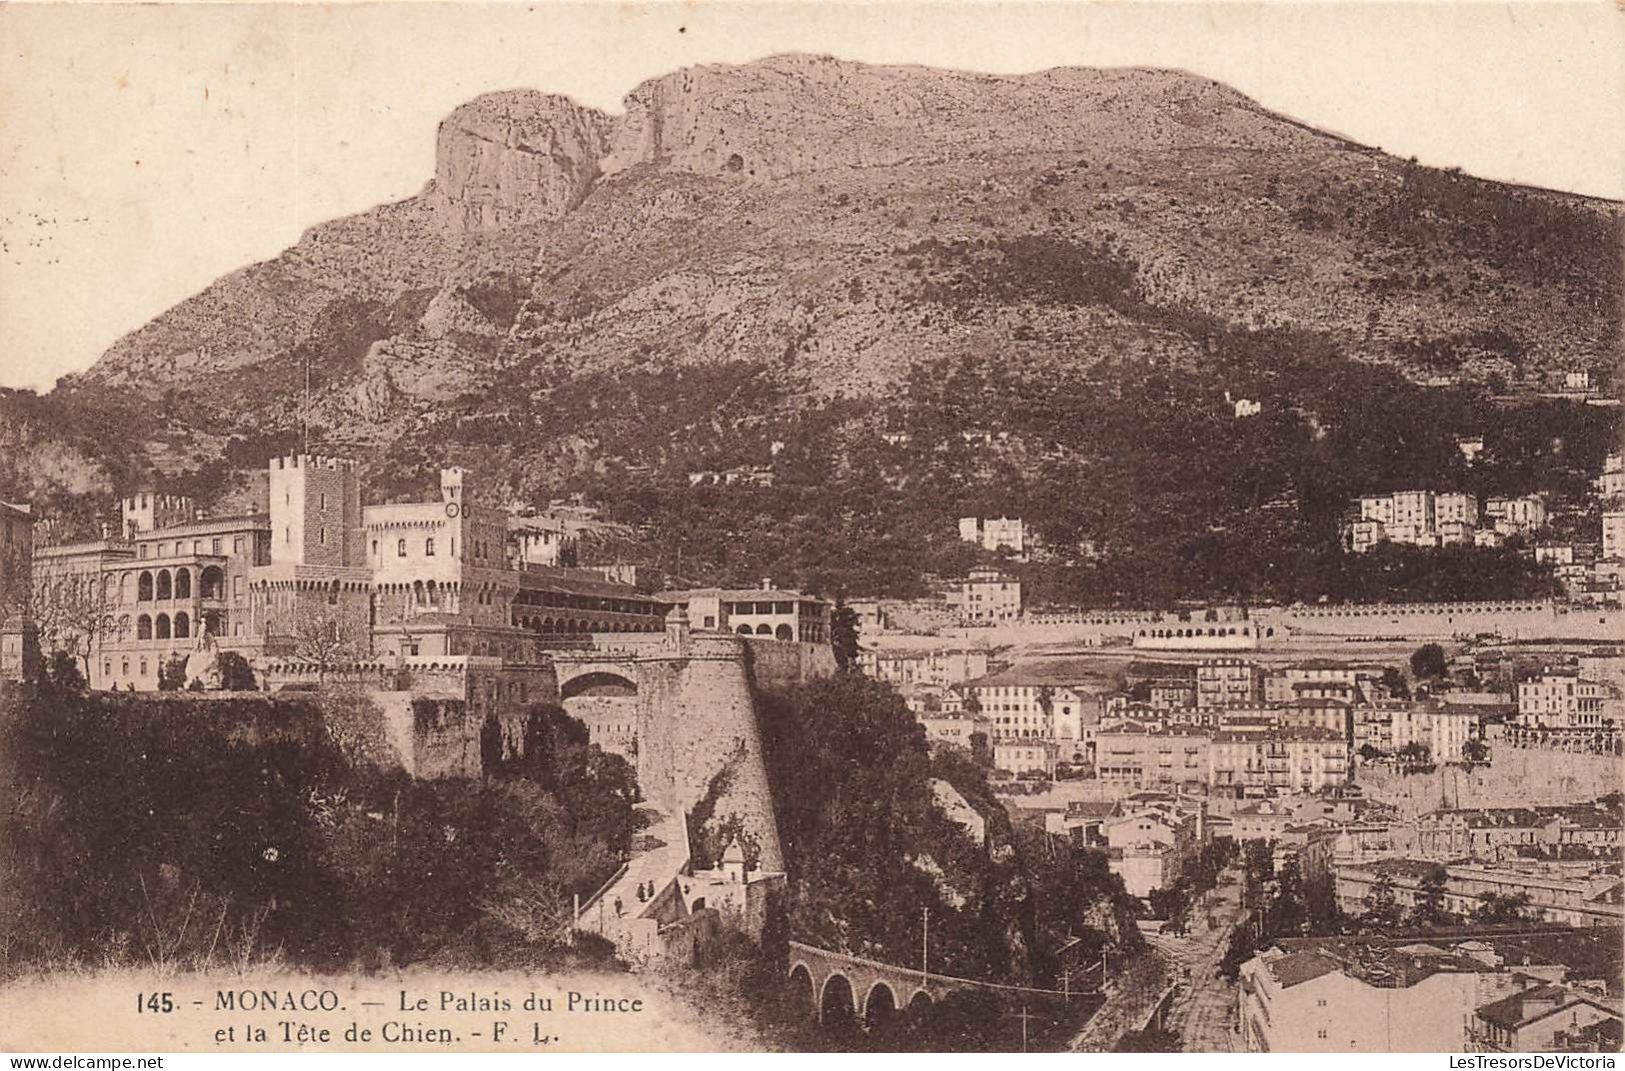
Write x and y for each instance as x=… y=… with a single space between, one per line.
x=995 y=534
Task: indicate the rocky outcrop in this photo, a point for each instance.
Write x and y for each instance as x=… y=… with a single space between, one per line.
x=517 y=157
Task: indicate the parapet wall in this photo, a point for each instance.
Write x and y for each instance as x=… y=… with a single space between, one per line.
x=777 y=663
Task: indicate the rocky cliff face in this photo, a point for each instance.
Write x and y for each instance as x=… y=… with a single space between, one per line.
x=795 y=114
x=508 y=159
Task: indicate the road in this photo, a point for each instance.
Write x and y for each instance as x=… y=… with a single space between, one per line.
x=1204 y=1007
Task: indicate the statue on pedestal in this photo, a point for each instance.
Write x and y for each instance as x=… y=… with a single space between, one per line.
x=203 y=664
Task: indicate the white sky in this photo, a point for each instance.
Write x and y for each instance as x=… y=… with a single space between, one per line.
x=145 y=151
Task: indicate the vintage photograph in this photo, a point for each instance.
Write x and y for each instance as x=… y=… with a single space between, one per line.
x=812 y=527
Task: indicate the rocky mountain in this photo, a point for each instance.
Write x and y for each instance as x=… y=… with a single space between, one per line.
x=763 y=207
x=671 y=286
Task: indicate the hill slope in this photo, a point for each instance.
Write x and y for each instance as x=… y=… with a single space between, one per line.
x=750 y=252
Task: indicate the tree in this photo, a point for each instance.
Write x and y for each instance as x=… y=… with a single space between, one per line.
x=236 y=675
x=1289 y=912
x=1369 y=753
x=843 y=635
x=1381 y=907
x=979 y=749
x=71 y=612
x=1428 y=662
x=1393 y=682
x=1416 y=753
x=172 y=673
x=325 y=636
x=1430 y=897
x=1475 y=751
x=1046 y=704
x=1498 y=910
x=16 y=589
x=61 y=671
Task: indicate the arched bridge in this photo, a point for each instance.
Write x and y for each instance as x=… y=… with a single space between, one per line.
x=838 y=985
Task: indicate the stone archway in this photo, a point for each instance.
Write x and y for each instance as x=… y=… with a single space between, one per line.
x=879 y=1007
x=803 y=991
x=836 y=1007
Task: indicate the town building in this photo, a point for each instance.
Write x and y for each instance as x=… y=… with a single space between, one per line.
x=1135 y=756
x=1442 y=728
x=1320 y=678
x=1517 y=515
x=1547 y=1018
x=1006 y=534
x=1418 y=518
x=1509 y=833
x=761 y=611
x=1373 y=995
x=956 y=728
x=1173 y=694
x=1611 y=483
x=986 y=597
x=1582 y=895
x=541 y=540
x=1282 y=761
x=1150 y=847
x=1023 y=707
x=1227 y=681
x=1562 y=699
x=937 y=667
x=1024 y=756
x=1613 y=534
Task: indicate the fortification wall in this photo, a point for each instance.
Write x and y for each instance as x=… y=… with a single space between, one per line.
x=1516 y=619
x=698 y=739
x=776 y=663
x=1516 y=777
x=611 y=720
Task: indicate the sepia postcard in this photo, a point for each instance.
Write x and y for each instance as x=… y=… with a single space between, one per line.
x=812 y=527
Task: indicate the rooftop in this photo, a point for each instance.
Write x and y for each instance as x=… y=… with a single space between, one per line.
x=736 y=594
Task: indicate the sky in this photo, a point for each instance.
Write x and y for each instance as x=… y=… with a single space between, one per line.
x=147 y=150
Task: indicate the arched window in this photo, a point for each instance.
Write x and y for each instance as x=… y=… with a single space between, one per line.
x=162 y=626
x=764 y=630
x=183 y=583
x=143 y=588
x=212 y=583
x=183 y=626
x=165 y=590
x=428 y=547
x=744 y=630
x=400 y=548
x=783 y=632
x=143 y=626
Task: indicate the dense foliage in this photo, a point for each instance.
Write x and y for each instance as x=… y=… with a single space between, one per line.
x=168 y=831
x=869 y=851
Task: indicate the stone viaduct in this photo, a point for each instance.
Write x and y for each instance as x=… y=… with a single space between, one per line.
x=836 y=985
